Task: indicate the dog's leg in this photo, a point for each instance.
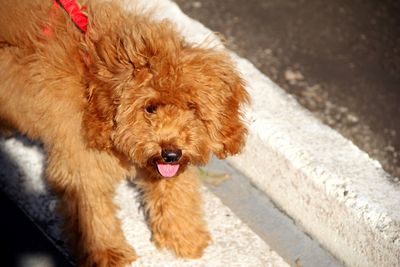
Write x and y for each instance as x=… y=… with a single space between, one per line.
x=173 y=207
x=84 y=182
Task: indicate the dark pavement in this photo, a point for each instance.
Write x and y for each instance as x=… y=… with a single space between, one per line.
x=340 y=59
x=22 y=243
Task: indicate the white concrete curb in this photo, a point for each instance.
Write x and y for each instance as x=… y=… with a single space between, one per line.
x=335 y=191
x=340 y=196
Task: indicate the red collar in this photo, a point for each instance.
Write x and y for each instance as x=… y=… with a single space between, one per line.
x=74 y=11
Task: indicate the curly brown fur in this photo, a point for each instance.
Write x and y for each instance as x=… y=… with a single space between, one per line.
x=127 y=99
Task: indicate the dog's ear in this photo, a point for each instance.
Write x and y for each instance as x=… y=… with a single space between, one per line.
x=221 y=96
x=107 y=72
x=98 y=116
x=227 y=129
x=111 y=67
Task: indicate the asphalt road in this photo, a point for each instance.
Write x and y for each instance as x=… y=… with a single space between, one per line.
x=340 y=59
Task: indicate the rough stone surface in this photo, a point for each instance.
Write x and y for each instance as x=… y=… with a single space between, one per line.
x=329 y=186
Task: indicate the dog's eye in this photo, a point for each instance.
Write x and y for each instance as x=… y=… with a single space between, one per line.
x=151 y=109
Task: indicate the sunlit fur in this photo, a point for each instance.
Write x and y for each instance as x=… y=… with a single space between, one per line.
x=105 y=104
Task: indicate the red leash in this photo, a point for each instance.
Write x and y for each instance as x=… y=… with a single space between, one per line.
x=74 y=11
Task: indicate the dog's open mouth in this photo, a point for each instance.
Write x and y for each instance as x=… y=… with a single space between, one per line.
x=167 y=170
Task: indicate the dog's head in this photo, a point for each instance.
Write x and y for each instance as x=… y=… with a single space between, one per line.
x=162 y=103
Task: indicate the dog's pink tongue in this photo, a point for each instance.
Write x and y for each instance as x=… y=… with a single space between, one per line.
x=167 y=170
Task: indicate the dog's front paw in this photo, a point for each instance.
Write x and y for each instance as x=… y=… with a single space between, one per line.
x=185 y=244
x=111 y=257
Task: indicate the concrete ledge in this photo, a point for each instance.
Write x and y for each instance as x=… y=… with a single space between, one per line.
x=335 y=191
x=255 y=209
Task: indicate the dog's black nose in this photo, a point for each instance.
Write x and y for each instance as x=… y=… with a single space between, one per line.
x=171 y=155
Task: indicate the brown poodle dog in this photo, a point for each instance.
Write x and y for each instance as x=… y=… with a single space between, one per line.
x=126 y=98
